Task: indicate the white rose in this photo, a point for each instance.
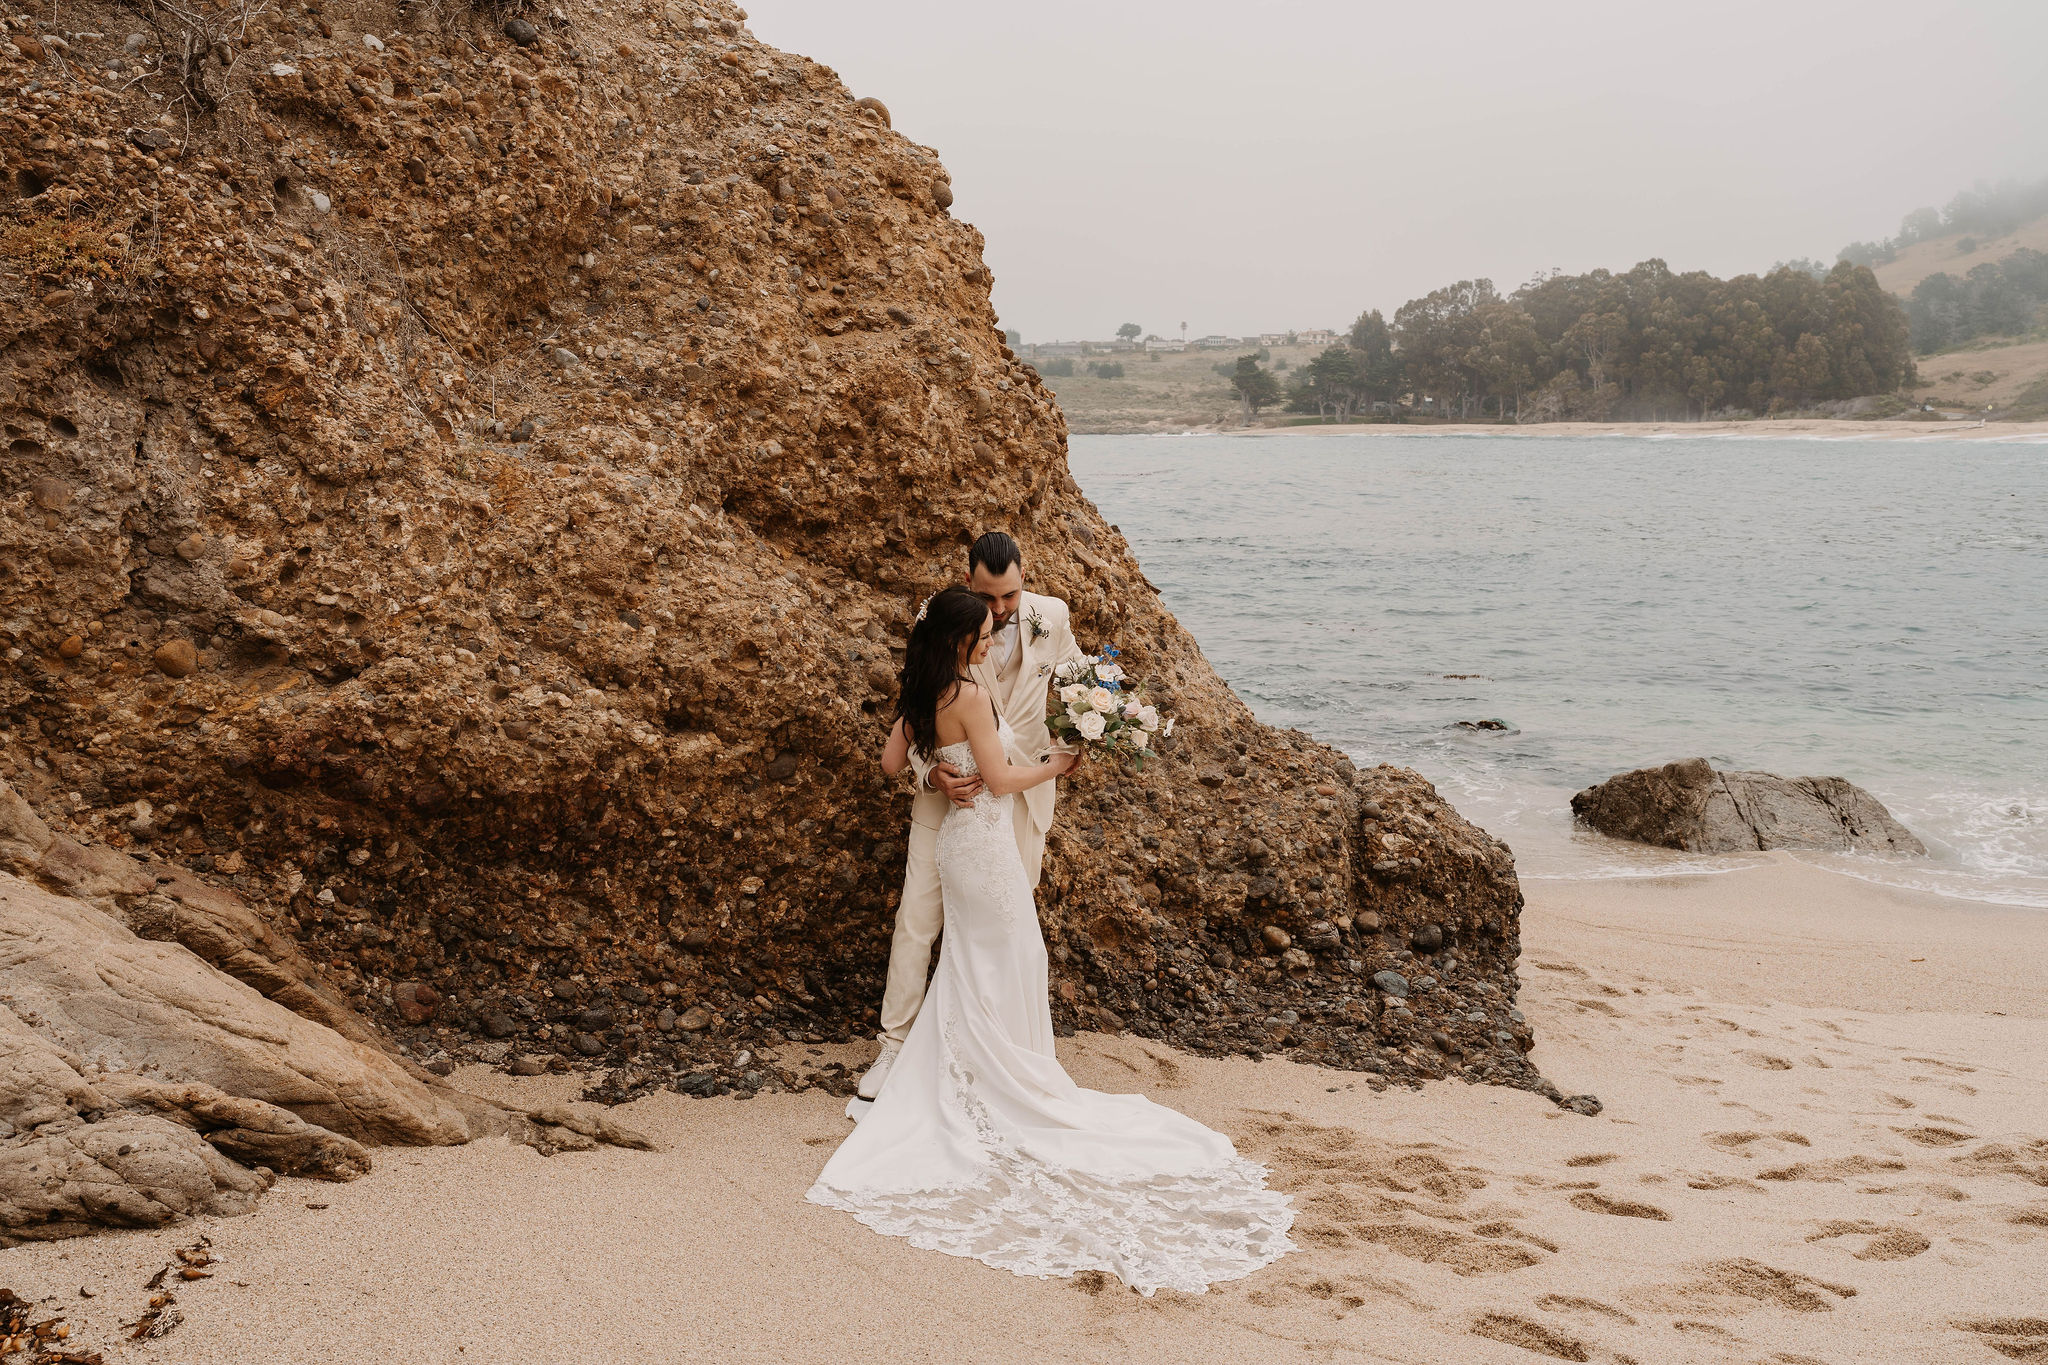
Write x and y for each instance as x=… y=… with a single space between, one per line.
x=1090 y=725
x=1148 y=716
x=1131 y=709
x=1072 y=693
x=1103 y=700
x=1110 y=673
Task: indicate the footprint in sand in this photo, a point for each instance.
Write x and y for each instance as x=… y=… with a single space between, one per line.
x=1166 y=1072
x=1833 y=1170
x=1763 y=1061
x=1739 y=1285
x=1888 y=1241
x=1956 y=1067
x=2030 y=1218
x=1599 y=1007
x=1592 y=1159
x=1620 y=1208
x=1530 y=1336
x=2028 y=1160
x=1930 y=1136
x=1350 y=1189
x=1739 y=1142
x=2013 y=1338
x=1900 y=1100
x=1571 y=1303
x=1722 y=1182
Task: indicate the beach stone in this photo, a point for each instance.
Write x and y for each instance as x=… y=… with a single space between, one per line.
x=1276 y=938
x=415 y=1001
x=1427 y=939
x=694 y=1019
x=527 y=1065
x=1393 y=983
x=1689 y=805
x=499 y=1024
x=521 y=32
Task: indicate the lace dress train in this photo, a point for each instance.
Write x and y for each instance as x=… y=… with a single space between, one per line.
x=981 y=1145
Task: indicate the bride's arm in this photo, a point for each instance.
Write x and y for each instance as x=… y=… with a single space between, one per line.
x=998 y=774
x=896 y=753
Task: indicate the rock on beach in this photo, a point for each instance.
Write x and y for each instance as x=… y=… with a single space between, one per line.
x=1689 y=805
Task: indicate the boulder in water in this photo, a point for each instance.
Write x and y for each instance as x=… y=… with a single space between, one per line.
x=1690 y=806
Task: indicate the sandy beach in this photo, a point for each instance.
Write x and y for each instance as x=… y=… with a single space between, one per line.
x=1825 y=1139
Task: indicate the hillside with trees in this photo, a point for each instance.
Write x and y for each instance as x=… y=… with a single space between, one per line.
x=1648 y=344
x=1976 y=269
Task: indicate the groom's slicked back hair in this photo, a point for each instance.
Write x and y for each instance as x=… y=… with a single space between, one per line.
x=995 y=551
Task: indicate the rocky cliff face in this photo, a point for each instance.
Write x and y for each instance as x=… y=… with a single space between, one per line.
x=468 y=481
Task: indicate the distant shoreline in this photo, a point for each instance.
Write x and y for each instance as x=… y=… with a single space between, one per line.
x=1816 y=428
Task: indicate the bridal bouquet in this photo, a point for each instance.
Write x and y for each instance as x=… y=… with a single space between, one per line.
x=1094 y=706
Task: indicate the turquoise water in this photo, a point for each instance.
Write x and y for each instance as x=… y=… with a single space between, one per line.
x=1871 y=609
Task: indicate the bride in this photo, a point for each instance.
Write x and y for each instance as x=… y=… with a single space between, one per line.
x=979 y=1143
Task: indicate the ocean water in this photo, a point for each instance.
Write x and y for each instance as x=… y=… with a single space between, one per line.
x=1872 y=609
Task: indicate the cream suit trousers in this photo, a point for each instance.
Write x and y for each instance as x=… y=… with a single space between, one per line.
x=921 y=913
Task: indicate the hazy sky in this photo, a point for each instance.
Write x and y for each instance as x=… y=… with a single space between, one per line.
x=1248 y=167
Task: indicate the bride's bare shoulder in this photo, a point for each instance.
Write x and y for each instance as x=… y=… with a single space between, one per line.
x=967 y=691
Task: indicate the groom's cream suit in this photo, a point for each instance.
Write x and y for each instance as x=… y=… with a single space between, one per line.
x=1044 y=639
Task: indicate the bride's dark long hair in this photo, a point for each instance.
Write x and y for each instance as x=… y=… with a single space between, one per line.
x=931 y=662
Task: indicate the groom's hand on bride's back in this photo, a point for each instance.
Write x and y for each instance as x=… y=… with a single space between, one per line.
x=955 y=786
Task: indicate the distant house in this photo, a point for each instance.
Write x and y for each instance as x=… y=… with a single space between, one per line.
x=1049 y=349
x=1272 y=338
x=1316 y=336
x=1213 y=343
x=1164 y=344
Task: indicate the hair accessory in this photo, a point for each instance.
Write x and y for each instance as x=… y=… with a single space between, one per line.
x=922 y=607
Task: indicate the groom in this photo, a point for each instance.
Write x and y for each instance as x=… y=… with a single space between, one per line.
x=1031 y=635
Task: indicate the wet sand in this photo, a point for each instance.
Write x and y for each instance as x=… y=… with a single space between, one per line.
x=1825 y=1139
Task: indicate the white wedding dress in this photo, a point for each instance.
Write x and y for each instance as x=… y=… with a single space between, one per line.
x=979 y=1143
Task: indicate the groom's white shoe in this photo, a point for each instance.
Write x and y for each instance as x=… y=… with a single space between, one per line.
x=871 y=1083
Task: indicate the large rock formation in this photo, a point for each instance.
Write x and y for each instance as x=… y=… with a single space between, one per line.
x=1689 y=805
x=468 y=483
x=137 y=1074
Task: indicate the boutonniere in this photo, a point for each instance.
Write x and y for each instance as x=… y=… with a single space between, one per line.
x=1035 y=624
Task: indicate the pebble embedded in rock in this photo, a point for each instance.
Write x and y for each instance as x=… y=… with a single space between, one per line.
x=588 y=1045
x=528 y=1066
x=1393 y=983
x=176 y=659
x=694 y=1019
x=500 y=1025
x=521 y=32
x=1276 y=937
x=52 y=495
x=1427 y=939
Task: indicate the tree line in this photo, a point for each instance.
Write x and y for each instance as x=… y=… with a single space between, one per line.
x=1648 y=343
